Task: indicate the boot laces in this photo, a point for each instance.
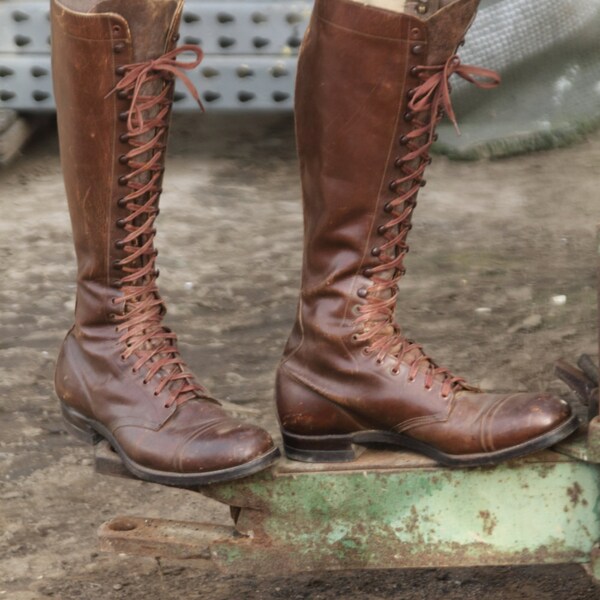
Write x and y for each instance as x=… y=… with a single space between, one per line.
x=149 y=88
x=430 y=100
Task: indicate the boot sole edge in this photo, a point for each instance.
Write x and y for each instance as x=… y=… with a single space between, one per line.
x=343 y=448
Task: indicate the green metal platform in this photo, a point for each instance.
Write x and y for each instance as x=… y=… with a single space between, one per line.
x=388 y=510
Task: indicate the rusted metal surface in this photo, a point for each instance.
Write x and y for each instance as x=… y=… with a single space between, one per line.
x=389 y=510
x=162 y=538
x=594 y=440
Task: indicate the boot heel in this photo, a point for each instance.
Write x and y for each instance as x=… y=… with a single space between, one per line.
x=320 y=448
x=78 y=426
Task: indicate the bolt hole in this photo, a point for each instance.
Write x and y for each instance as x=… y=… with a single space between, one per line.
x=19 y=16
x=294 y=42
x=190 y=39
x=210 y=72
x=259 y=18
x=211 y=96
x=122 y=524
x=246 y=96
x=244 y=71
x=225 y=18
x=191 y=18
x=279 y=71
x=260 y=42
x=280 y=96
x=226 y=42
x=294 y=18
x=38 y=72
x=22 y=40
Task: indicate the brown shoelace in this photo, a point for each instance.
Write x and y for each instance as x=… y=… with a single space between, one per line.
x=143 y=334
x=432 y=99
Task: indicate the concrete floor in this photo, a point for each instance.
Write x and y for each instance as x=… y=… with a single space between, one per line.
x=493 y=244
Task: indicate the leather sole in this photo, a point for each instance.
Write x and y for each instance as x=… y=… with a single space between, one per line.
x=92 y=432
x=342 y=448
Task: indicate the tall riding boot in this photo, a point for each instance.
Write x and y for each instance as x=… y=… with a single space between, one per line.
x=372 y=85
x=119 y=374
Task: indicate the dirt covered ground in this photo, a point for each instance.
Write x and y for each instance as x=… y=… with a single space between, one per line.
x=494 y=245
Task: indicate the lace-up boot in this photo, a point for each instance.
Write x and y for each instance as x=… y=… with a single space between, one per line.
x=372 y=86
x=119 y=374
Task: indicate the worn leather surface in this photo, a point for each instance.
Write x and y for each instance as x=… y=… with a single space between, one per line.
x=91 y=375
x=354 y=75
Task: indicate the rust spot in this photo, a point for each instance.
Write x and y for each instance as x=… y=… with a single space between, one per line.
x=489 y=522
x=574 y=494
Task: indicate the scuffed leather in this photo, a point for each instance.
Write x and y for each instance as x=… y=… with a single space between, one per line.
x=354 y=75
x=91 y=375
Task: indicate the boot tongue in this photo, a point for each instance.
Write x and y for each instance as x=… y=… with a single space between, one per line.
x=149 y=22
x=447 y=28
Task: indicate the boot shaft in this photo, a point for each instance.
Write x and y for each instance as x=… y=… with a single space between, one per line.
x=355 y=75
x=91 y=41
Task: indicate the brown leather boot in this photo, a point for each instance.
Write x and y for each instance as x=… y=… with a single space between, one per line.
x=119 y=374
x=371 y=87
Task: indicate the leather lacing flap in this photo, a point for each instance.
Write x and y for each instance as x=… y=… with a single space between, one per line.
x=148 y=87
x=428 y=103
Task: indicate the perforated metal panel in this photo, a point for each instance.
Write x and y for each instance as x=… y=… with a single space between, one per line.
x=250 y=53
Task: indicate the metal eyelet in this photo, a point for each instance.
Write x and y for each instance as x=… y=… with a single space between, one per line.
x=392 y=185
x=121 y=223
x=120 y=71
x=403 y=141
x=362 y=292
x=119 y=244
x=382 y=230
x=123 y=180
x=118 y=47
x=395 y=372
x=376 y=251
